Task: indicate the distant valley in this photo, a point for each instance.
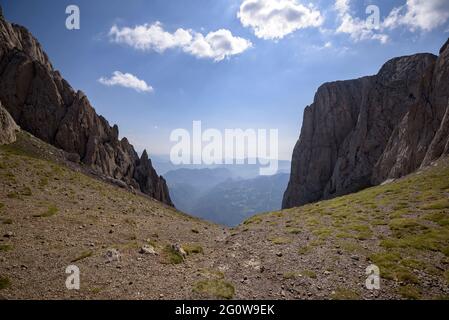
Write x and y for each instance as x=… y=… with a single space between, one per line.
x=222 y=196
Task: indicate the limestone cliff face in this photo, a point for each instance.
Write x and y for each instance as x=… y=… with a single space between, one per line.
x=8 y=128
x=44 y=104
x=359 y=133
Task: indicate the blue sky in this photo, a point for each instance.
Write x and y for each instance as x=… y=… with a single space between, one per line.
x=279 y=53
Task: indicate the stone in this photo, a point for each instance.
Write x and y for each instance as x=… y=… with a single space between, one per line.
x=113 y=255
x=147 y=249
x=8 y=127
x=177 y=248
x=361 y=133
x=8 y=234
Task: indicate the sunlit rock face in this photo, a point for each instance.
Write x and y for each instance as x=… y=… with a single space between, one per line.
x=359 y=133
x=44 y=104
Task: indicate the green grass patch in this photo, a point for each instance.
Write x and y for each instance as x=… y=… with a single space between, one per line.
x=309 y=273
x=437 y=205
x=304 y=250
x=5 y=247
x=51 y=211
x=409 y=292
x=291 y=275
x=433 y=240
x=293 y=230
x=322 y=233
x=83 y=256
x=192 y=249
x=5 y=283
x=405 y=226
x=253 y=220
x=440 y=218
x=215 y=288
x=345 y=294
x=171 y=256
x=6 y=221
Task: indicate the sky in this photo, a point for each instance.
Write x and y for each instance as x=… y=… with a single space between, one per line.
x=155 y=66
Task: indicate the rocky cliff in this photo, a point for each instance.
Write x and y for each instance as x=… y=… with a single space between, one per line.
x=8 y=127
x=362 y=132
x=44 y=104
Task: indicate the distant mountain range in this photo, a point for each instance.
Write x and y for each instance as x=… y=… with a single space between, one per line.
x=216 y=195
x=163 y=165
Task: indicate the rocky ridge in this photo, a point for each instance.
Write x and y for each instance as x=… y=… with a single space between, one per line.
x=360 y=133
x=44 y=104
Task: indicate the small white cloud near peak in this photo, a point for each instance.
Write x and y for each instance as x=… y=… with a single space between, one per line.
x=274 y=19
x=216 y=45
x=358 y=29
x=425 y=15
x=126 y=80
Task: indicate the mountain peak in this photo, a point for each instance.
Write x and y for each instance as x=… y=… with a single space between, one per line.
x=377 y=128
x=52 y=111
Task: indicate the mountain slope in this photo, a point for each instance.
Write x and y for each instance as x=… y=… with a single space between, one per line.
x=53 y=216
x=359 y=133
x=57 y=216
x=44 y=104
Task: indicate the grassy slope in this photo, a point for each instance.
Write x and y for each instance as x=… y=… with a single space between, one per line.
x=58 y=216
x=402 y=227
x=320 y=250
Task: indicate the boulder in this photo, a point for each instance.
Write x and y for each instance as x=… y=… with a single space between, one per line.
x=8 y=128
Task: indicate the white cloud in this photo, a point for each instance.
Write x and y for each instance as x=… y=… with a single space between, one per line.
x=216 y=45
x=419 y=14
x=126 y=80
x=274 y=19
x=357 y=28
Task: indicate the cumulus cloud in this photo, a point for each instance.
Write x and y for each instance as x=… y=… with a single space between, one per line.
x=216 y=45
x=425 y=15
x=274 y=19
x=358 y=29
x=126 y=80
